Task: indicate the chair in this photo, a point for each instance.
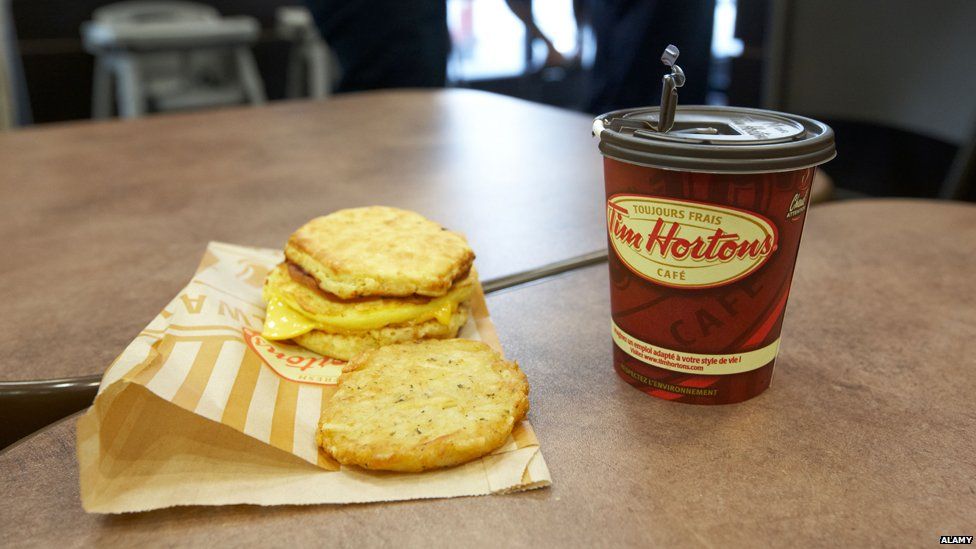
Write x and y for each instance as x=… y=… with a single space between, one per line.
x=308 y=59
x=898 y=70
x=26 y=406
x=14 y=106
x=170 y=55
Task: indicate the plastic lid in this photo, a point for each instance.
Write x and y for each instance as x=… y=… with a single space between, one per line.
x=715 y=140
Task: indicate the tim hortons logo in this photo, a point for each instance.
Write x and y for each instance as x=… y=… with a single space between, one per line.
x=685 y=244
x=293 y=362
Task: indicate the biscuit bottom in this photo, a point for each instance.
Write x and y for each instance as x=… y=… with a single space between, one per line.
x=347 y=345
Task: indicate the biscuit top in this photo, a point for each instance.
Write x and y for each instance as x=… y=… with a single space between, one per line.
x=379 y=251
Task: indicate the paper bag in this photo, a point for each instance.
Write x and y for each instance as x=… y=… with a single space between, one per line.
x=201 y=410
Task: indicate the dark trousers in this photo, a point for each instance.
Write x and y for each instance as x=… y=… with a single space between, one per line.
x=630 y=36
x=386 y=43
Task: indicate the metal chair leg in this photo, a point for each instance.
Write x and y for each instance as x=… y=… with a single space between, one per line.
x=250 y=79
x=130 y=95
x=102 y=89
x=962 y=172
x=317 y=71
x=295 y=74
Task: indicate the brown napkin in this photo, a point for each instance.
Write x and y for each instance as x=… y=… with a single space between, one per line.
x=201 y=410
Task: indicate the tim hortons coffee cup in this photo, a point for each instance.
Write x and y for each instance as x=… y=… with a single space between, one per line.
x=703 y=227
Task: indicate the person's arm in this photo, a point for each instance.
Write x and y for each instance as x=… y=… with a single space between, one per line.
x=523 y=10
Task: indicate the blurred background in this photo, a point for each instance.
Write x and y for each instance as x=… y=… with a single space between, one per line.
x=895 y=78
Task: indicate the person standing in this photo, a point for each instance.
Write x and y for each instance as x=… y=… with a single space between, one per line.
x=386 y=43
x=630 y=36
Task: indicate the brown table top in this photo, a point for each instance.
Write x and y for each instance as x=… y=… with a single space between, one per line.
x=867 y=434
x=106 y=222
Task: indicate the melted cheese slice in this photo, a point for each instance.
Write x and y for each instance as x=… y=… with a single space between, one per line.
x=283 y=322
x=294 y=310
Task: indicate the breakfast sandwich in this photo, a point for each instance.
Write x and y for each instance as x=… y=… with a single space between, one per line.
x=361 y=278
x=423 y=405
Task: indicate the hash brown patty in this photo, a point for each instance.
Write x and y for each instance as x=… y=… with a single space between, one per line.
x=423 y=405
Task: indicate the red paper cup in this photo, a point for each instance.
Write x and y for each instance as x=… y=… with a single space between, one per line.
x=703 y=229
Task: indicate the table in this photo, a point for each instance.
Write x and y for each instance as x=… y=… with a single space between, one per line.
x=110 y=219
x=867 y=434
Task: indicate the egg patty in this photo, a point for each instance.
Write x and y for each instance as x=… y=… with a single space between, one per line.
x=294 y=308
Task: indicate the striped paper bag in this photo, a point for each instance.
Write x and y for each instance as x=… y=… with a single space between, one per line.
x=201 y=410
